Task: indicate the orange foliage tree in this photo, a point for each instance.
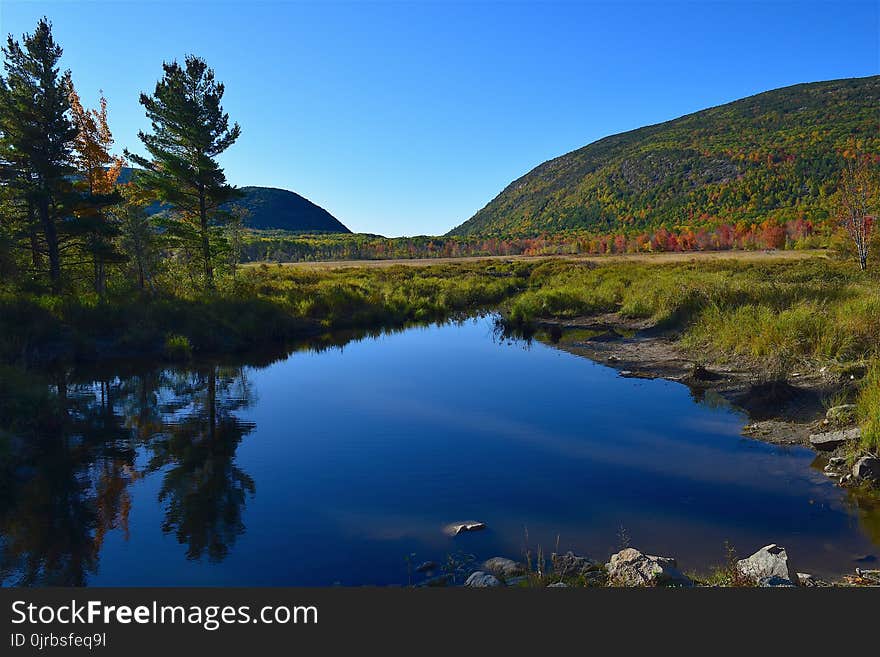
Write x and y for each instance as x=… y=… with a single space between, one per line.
x=98 y=171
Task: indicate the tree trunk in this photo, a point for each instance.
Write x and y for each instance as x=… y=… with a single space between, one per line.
x=206 y=244
x=99 y=277
x=51 y=233
x=36 y=260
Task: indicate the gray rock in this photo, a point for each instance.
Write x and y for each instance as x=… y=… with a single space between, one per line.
x=842 y=413
x=867 y=467
x=769 y=564
x=516 y=581
x=571 y=565
x=502 y=567
x=558 y=585
x=629 y=567
x=426 y=566
x=806 y=579
x=596 y=578
x=834 y=439
x=837 y=461
x=481 y=580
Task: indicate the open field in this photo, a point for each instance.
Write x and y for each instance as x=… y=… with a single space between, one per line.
x=659 y=258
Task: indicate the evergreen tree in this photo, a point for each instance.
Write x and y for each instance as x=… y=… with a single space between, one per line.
x=190 y=130
x=35 y=140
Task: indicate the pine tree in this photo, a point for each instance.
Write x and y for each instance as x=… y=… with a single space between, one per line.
x=35 y=139
x=190 y=130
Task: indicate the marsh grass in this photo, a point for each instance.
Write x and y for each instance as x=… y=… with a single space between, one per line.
x=725 y=574
x=779 y=315
x=868 y=408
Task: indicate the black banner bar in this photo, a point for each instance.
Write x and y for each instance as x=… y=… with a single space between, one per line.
x=248 y=621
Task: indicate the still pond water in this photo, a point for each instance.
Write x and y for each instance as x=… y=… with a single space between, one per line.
x=333 y=466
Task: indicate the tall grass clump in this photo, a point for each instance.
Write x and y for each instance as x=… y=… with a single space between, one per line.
x=868 y=408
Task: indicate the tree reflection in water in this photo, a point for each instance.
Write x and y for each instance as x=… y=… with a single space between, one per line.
x=69 y=453
x=202 y=489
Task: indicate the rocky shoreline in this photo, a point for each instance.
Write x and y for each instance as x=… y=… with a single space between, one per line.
x=769 y=567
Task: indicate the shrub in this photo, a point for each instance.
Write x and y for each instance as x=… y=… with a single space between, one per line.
x=177 y=347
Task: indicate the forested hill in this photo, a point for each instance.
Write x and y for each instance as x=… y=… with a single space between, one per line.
x=277 y=209
x=272 y=208
x=775 y=155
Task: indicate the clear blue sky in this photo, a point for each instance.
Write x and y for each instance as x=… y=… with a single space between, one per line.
x=406 y=118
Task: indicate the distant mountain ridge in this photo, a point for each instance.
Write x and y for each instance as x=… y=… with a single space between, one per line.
x=270 y=208
x=770 y=155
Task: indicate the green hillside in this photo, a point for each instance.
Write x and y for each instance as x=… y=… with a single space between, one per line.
x=775 y=155
x=275 y=209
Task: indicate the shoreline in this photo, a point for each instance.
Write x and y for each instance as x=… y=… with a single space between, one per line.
x=771 y=566
x=781 y=411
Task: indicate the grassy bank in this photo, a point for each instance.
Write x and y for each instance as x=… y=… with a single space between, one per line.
x=777 y=315
x=261 y=306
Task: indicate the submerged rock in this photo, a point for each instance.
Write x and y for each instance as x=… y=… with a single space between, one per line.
x=457 y=528
x=440 y=580
x=867 y=467
x=502 y=567
x=630 y=567
x=481 y=580
x=426 y=566
x=834 y=439
x=558 y=585
x=775 y=582
x=517 y=581
x=769 y=566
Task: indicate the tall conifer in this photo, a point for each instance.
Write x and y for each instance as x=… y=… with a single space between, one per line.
x=189 y=131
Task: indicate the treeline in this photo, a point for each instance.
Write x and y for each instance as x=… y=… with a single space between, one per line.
x=795 y=234
x=66 y=226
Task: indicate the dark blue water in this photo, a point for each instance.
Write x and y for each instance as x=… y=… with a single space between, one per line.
x=333 y=466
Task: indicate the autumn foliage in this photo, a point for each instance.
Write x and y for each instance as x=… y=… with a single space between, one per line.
x=92 y=144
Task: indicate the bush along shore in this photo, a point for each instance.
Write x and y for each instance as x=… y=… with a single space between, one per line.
x=770 y=566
